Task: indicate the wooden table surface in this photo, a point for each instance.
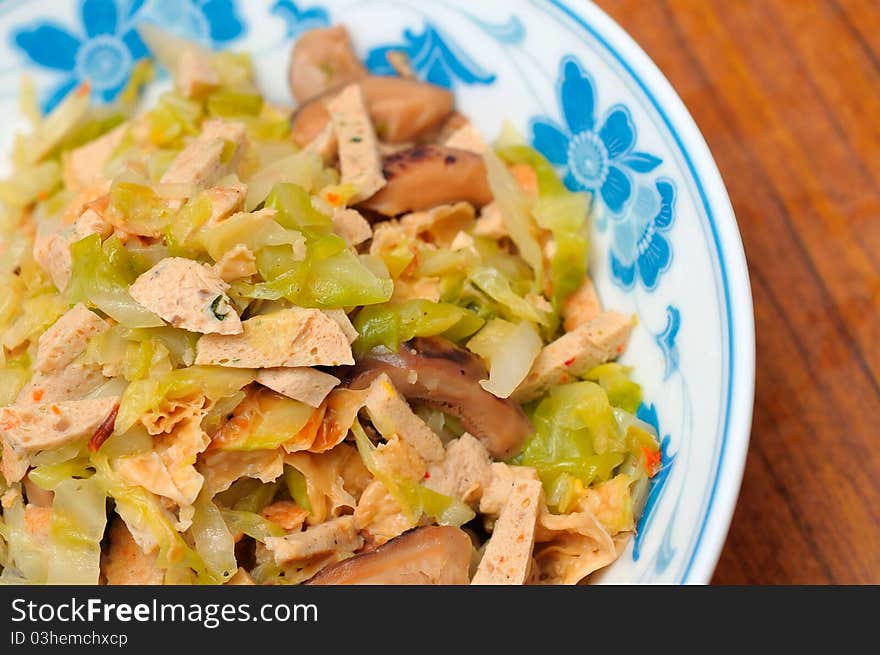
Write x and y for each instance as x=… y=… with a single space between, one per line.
x=787 y=94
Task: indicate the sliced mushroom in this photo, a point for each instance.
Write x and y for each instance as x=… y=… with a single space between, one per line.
x=402 y=110
x=323 y=59
x=429 y=555
x=425 y=176
x=436 y=372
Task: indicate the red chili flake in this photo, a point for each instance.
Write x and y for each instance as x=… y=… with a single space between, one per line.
x=334 y=199
x=619 y=349
x=37 y=395
x=84 y=89
x=569 y=362
x=104 y=430
x=427 y=475
x=55 y=410
x=653 y=461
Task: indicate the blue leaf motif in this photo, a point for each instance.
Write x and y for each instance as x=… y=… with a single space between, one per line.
x=642 y=162
x=599 y=157
x=435 y=56
x=104 y=48
x=648 y=413
x=666 y=340
x=618 y=132
x=300 y=20
x=49 y=45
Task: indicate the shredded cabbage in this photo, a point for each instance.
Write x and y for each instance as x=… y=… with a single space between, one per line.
x=213 y=540
x=515 y=209
x=79 y=516
x=414 y=499
x=510 y=350
x=102 y=275
x=392 y=324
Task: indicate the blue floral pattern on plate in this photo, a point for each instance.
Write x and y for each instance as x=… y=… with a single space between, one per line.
x=601 y=157
x=595 y=146
x=103 y=50
x=300 y=20
x=598 y=156
x=639 y=248
x=434 y=56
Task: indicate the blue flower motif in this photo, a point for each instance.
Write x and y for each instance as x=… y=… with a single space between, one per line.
x=104 y=51
x=435 y=56
x=666 y=340
x=299 y=20
x=648 y=413
x=210 y=22
x=639 y=247
x=599 y=157
x=103 y=56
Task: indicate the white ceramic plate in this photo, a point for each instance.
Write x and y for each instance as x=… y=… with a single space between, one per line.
x=665 y=241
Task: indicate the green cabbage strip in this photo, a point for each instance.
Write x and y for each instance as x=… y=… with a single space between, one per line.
x=213 y=382
x=79 y=516
x=516 y=211
x=213 y=540
x=49 y=476
x=27 y=559
x=509 y=349
x=414 y=499
x=251 y=524
x=495 y=285
x=576 y=433
x=329 y=277
x=143 y=511
x=101 y=275
x=615 y=379
x=394 y=323
x=297 y=487
x=562 y=212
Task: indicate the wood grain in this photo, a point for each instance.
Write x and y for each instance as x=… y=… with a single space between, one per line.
x=787 y=94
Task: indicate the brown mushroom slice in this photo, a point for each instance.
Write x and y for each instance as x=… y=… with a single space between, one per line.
x=323 y=59
x=429 y=175
x=435 y=371
x=402 y=110
x=431 y=555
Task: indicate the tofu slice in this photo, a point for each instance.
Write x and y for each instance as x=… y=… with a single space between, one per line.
x=28 y=430
x=206 y=159
x=290 y=337
x=508 y=554
x=221 y=468
x=503 y=476
x=464 y=472
x=575 y=353
x=188 y=295
x=67 y=338
x=391 y=414
x=325 y=144
x=225 y=201
x=237 y=263
x=581 y=307
x=84 y=165
x=351 y=226
x=341 y=319
x=73 y=382
x=467 y=137
x=490 y=223
x=52 y=253
x=335 y=535
x=196 y=76
x=358 y=147
x=304 y=384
